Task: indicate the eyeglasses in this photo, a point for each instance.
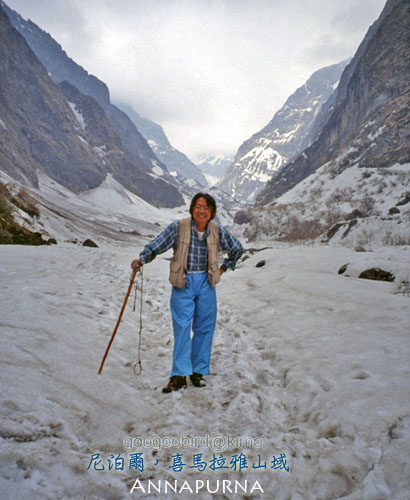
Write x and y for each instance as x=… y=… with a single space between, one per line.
x=202 y=207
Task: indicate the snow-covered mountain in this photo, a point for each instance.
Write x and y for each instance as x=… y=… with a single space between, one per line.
x=352 y=185
x=286 y=135
x=174 y=160
x=369 y=119
x=213 y=167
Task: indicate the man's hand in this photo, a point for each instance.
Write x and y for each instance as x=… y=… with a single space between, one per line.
x=136 y=264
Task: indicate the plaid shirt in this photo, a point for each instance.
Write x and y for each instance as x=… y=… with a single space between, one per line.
x=198 y=248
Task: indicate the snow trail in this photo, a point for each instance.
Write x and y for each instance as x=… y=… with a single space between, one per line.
x=313 y=364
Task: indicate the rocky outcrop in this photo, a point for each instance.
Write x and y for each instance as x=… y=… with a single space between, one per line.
x=377 y=274
x=12 y=233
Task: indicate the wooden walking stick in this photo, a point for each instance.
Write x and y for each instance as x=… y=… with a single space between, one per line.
x=134 y=272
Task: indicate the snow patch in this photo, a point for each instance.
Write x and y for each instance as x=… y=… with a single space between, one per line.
x=82 y=139
x=3 y=125
x=78 y=115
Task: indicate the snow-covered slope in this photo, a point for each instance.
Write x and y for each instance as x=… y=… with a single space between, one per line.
x=309 y=367
x=357 y=207
x=306 y=364
x=108 y=212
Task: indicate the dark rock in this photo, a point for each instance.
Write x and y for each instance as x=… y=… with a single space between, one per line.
x=342 y=269
x=261 y=263
x=255 y=250
x=242 y=217
x=352 y=223
x=333 y=230
x=394 y=210
x=356 y=214
x=52 y=241
x=377 y=274
x=90 y=243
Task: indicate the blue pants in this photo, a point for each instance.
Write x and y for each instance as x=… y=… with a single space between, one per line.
x=195 y=305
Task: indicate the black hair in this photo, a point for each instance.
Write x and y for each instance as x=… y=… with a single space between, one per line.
x=209 y=201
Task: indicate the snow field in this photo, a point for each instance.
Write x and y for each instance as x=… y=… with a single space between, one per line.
x=313 y=363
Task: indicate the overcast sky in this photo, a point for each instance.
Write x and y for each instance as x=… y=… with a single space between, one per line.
x=211 y=72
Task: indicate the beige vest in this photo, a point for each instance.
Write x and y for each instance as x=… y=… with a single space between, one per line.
x=178 y=266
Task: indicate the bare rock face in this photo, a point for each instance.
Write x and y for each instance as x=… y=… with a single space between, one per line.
x=38 y=127
x=368 y=121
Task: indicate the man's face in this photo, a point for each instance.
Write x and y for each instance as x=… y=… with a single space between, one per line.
x=201 y=213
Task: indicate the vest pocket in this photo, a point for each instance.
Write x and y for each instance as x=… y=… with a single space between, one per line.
x=214 y=275
x=177 y=274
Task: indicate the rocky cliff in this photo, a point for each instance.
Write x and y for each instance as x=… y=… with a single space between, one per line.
x=62 y=68
x=368 y=120
x=41 y=130
x=352 y=185
x=139 y=136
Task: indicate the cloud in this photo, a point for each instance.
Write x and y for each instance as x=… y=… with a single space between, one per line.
x=349 y=21
x=211 y=72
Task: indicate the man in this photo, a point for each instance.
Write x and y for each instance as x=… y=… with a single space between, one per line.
x=194 y=272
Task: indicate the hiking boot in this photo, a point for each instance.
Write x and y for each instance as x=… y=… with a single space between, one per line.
x=197 y=379
x=175 y=383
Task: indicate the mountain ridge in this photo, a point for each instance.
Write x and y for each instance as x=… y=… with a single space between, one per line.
x=175 y=160
x=136 y=132
x=63 y=68
x=40 y=131
x=351 y=186
x=287 y=134
x=365 y=91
